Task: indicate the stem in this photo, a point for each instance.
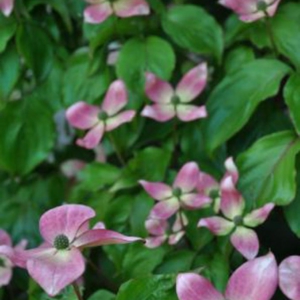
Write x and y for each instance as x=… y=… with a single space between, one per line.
x=77 y=291
x=271 y=33
x=117 y=150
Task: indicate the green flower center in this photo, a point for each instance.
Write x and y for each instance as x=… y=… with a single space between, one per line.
x=103 y=116
x=2 y=263
x=177 y=192
x=61 y=242
x=238 y=220
x=262 y=6
x=175 y=100
x=213 y=194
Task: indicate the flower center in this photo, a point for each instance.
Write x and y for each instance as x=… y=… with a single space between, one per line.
x=103 y=116
x=238 y=220
x=175 y=100
x=2 y=263
x=177 y=192
x=61 y=242
x=262 y=6
x=213 y=194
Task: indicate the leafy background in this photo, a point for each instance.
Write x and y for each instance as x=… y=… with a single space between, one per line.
x=50 y=59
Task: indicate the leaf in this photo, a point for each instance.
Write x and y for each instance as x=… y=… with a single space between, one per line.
x=192 y=28
x=10 y=72
x=8 y=28
x=177 y=261
x=102 y=295
x=97 y=175
x=235 y=98
x=159 y=287
x=140 y=261
x=28 y=136
x=36 y=47
x=138 y=55
x=292 y=99
x=79 y=84
x=292 y=211
x=149 y=164
x=267 y=169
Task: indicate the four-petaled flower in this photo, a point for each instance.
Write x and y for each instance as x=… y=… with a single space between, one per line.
x=170 y=103
x=8 y=257
x=6 y=6
x=100 y=119
x=58 y=262
x=159 y=231
x=232 y=206
x=254 y=280
x=100 y=10
x=181 y=194
x=252 y=10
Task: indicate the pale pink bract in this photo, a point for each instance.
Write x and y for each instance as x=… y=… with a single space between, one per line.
x=58 y=262
x=254 y=280
x=169 y=103
x=6 y=6
x=252 y=10
x=100 y=10
x=232 y=205
x=98 y=120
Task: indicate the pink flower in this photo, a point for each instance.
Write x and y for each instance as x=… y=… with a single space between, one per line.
x=252 y=10
x=97 y=120
x=100 y=10
x=181 y=194
x=169 y=103
x=159 y=231
x=289 y=277
x=6 y=6
x=8 y=257
x=255 y=280
x=232 y=206
x=58 y=261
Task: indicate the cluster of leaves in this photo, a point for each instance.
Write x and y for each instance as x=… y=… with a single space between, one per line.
x=50 y=59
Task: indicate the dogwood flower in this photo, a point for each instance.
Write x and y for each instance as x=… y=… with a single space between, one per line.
x=252 y=10
x=98 y=120
x=100 y=10
x=8 y=256
x=170 y=103
x=232 y=205
x=289 y=277
x=254 y=280
x=159 y=231
x=58 y=261
x=181 y=194
x=6 y=6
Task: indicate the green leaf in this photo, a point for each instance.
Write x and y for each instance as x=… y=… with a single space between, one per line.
x=177 y=261
x=292 y=211
x=237 y=58
x=96 y=175
x=192 y=28
x=37 y=49
x=235 y=98
x=138 y=55
x=160 y=287
x=140 y=261
x=292 y=99
x=10 y=71
x=267 y=169
x=102 y=295
x=8 y=27
x=79 y=83
x=149 y=164
x=28 y=136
